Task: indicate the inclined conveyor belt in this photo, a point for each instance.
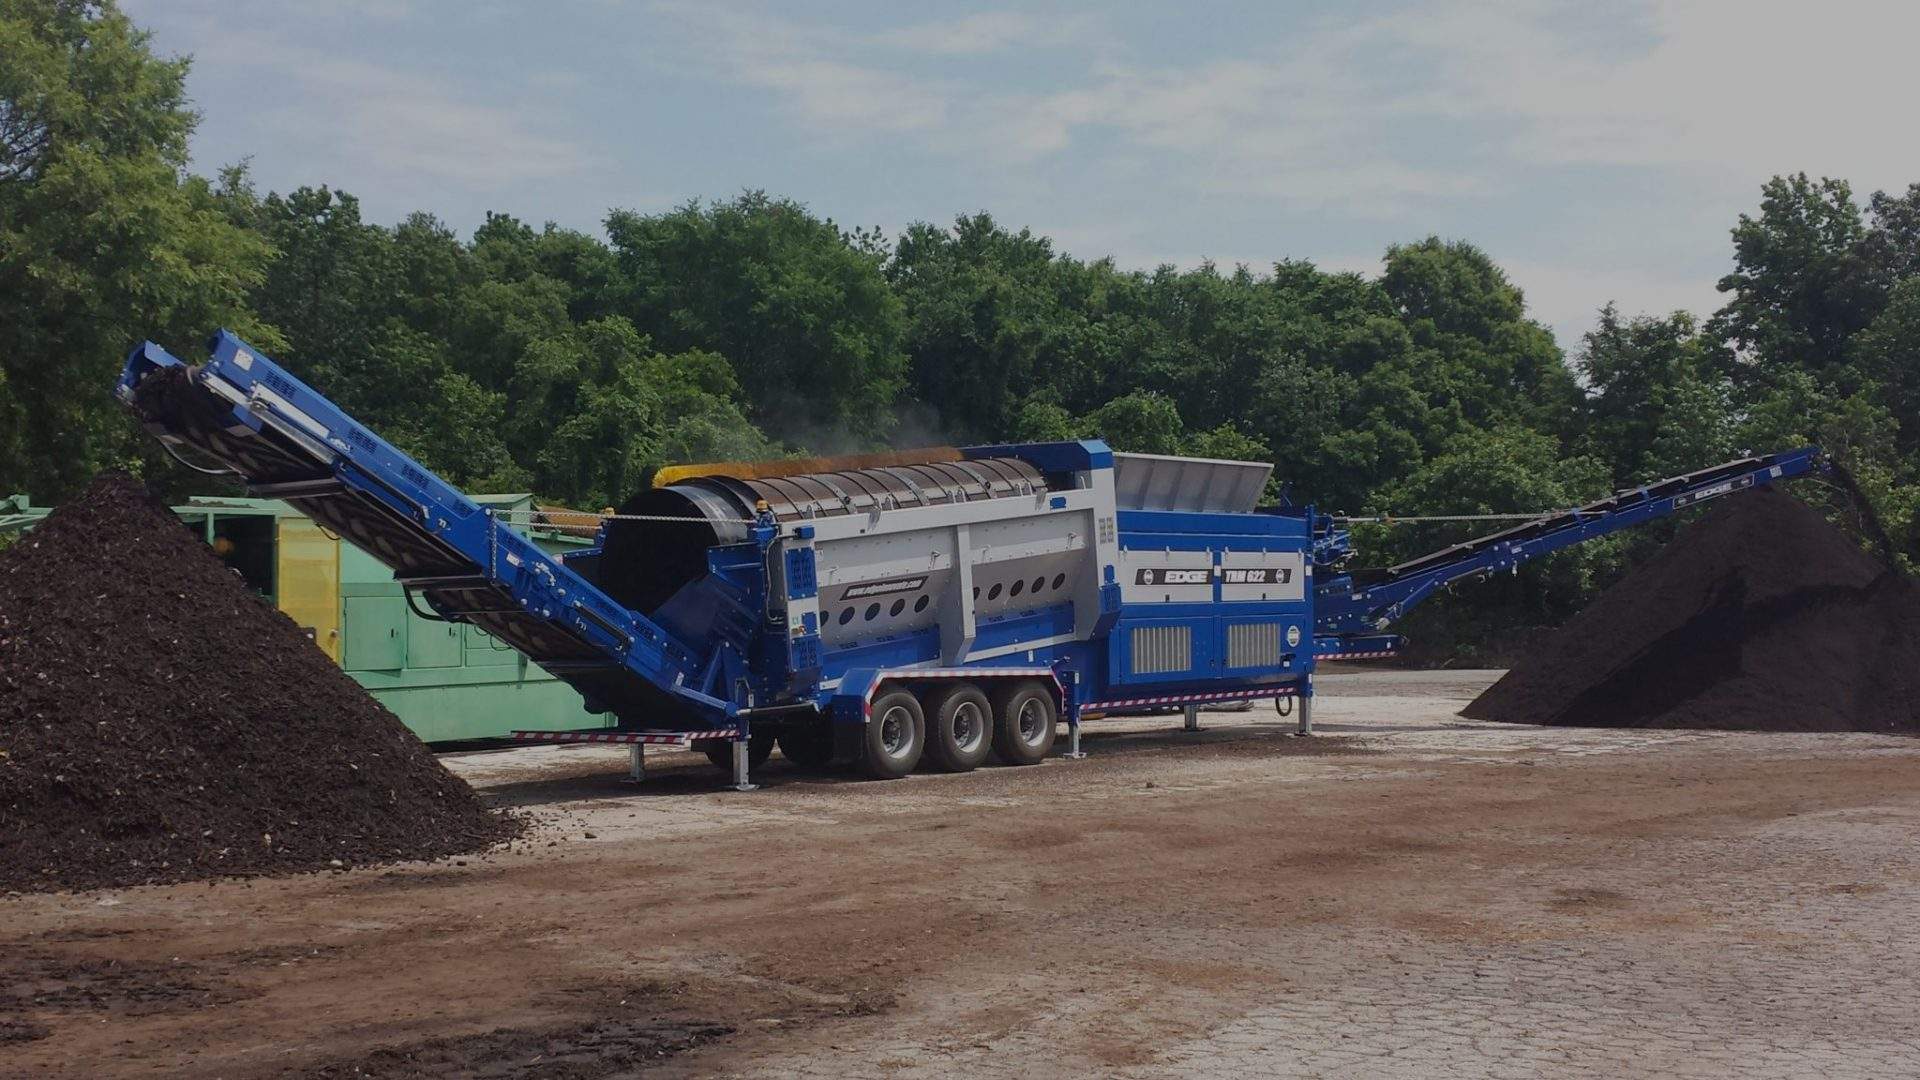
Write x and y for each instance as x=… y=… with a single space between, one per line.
x=286 y=442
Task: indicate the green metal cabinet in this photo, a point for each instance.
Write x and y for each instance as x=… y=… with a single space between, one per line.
x=375 y=633
x=485 y=650
x=432 y=644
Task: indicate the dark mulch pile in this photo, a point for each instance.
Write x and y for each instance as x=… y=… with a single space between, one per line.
x=160 y=722
x=1760 y=617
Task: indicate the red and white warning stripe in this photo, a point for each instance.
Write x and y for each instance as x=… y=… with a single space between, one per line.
x=644 y=738
x=1193 y=699
x=1381 y=654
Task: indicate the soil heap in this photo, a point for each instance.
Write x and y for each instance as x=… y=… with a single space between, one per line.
x=161 y=722
x=1761 y=616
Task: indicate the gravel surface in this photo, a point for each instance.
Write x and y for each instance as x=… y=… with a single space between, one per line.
x=1409 y=894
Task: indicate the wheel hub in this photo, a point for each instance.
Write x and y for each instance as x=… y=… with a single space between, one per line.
x=896 y=731
x=969 y=727
x=1030 y=723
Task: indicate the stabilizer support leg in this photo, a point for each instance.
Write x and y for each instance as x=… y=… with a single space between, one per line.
x=636 y=764
x=740 y=780
x=1074 y=753
x=1193 y=718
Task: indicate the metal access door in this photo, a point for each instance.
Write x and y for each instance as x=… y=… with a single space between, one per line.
x=375 y=633
x=308 y=573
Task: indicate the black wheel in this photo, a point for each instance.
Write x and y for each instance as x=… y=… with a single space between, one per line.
x=809 y=745
x=959 y=727
x=1023 y=720
x=720 y=751
x=896 y=735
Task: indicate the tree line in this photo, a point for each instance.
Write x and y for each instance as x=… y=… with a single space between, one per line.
x=571 y=363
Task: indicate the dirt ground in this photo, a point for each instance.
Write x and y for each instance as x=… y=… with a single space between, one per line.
x=1406 y=894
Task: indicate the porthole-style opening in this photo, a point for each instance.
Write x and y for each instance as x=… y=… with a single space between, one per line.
x=898 y=607
x=1018 y=588
x=920 y=605
x=873 y=612
x=846 y=616
x=1059 y=580
x=1039 y=583
x=994 y=593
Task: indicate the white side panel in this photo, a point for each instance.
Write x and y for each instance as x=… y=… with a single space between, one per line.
x=1166 y=577
x=1098 y=485
x=902 y=579
x=1261 y=575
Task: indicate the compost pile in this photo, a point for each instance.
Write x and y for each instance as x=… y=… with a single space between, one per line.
x=161 y=722
x=1761 y=616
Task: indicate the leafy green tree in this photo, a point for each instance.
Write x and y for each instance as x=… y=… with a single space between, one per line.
x=104 y=238
x=1474 y=351
x=1888 y=356
x=984 y=319
x=598 y=409
x=1143 y=422
x=1227 y=443
x=1800 y=286
x=804 y=315
x=1655 y=406
x=1892 y=244
x=329 y=289
x=1041 y=420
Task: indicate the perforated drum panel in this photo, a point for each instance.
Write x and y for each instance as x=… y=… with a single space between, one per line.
x=1161 y=649
x=1253 y=645
x=858 y=491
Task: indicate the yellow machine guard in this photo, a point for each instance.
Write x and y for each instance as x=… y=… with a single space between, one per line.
x=767 y=470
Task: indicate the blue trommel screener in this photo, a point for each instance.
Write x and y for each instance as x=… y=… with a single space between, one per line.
x=933 y=609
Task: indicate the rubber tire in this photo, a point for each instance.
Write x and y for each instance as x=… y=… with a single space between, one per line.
x=720 y=751
x=875 y=760
x=807 y=746
x=943 y=706
x=1008 y=701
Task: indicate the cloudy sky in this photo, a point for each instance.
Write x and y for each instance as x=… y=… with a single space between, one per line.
x=1599 y=150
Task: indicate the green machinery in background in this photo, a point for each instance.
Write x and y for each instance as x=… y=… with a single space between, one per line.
x=446 y=681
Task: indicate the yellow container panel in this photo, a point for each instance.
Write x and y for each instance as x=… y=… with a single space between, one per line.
x=309 y=580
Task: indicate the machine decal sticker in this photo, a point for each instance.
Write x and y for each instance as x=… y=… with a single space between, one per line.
x=1737 y=484
x=882 y=588
x=1159 y=575
x=1258 y=575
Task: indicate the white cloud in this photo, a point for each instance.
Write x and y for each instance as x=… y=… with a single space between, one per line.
x=985 y=32
x=1568 y=297
x=1733 y=89
x=835 y=95
x=1725 y=92
x=404 y=127
x=1410 y=116
x=1296 y=125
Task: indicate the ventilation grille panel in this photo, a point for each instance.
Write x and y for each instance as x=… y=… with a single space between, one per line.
x=1253 y=645
x=1161 y=649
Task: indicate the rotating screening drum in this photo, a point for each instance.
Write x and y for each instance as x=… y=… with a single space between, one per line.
x=645 y=562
